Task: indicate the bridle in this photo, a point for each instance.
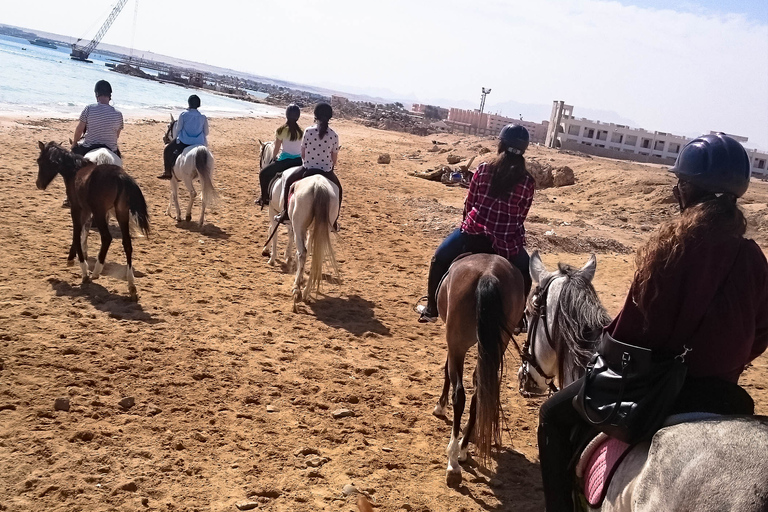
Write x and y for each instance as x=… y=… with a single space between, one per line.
x=528 y=359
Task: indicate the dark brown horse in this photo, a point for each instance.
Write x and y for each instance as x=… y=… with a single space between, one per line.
x=481 y=299
x=93 y=192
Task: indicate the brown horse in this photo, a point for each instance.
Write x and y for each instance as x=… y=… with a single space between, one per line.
x=93 y=191
x=481 y=299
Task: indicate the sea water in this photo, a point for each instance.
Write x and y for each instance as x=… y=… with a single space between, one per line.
x=43 y=82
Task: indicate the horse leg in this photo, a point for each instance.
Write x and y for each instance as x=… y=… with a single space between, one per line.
x=439 y=410
x=469 y=428
x=192 y=195
x=77 y=229
x=289 y=247
x=84 y=240
x=202 y=202
x=455 y=372
x=106 y=240
x=174 y=202
x=301 y=260
x=265 y=252
x=123 y=219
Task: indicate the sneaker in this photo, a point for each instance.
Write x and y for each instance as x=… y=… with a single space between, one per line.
x=425 y=316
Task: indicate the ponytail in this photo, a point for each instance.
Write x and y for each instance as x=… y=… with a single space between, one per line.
x=323 y=125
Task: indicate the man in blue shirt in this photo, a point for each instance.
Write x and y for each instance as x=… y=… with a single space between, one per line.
x=191 y=130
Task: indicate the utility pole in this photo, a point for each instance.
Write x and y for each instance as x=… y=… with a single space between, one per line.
x=485 y=93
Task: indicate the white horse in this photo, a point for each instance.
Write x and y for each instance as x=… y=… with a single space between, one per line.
x=704 y=466
x=194 y=162
x=314 y=204
x=275 y=206
x=103 y=156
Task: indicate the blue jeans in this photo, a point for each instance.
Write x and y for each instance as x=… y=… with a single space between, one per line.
x=458 y=243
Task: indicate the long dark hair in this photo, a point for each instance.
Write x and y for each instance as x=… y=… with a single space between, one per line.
x=323 y=114
x=294 y=129
x=507 y=170
x=714 y=218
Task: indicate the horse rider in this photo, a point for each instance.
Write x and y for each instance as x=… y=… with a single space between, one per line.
x=100 y=123
x=699 y=286
x=287 y=150
x=319 y=151
x=500 y=195
x=191 y=130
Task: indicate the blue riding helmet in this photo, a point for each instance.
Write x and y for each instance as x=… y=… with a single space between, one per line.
x=516 y=137
x=715 y=163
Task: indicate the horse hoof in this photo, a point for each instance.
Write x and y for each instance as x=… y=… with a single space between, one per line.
x=95 y=276
x=453 y=478
x=189 y=218
x=133 y=294
x=265 y=252
x=71 y=263
x=86 y=279
x=439 y=411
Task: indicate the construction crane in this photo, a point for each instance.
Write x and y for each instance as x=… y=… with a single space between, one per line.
x=82 y=53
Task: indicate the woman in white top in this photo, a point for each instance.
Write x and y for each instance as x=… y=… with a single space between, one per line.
x=319 y=150
x=287 y=150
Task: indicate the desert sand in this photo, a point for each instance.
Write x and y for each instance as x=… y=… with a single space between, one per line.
x=233 y=393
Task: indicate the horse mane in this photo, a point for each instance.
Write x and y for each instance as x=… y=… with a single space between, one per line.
x=578 y=321
x=64 y=159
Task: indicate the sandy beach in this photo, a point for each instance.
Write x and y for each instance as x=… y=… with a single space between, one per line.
x=234 y=393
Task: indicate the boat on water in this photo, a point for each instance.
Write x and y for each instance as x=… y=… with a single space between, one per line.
x=46 y=43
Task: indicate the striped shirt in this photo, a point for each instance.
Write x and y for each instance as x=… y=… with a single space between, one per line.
x=102 y=125
x=500 y=219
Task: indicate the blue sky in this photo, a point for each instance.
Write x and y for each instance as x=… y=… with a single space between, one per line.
x=676 y=66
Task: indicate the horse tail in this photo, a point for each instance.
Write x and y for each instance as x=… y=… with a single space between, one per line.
x=204 y=164
x=322 y=248
x=137 y=206
x=491 y=325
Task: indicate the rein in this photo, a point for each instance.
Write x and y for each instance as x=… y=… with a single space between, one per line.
x=527 y=356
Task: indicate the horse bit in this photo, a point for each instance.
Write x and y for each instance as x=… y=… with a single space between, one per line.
x=528 y=360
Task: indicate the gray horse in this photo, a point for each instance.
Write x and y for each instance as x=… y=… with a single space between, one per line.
x=704 y=466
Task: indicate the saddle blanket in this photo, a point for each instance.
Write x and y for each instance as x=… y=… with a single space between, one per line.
x=602 y=456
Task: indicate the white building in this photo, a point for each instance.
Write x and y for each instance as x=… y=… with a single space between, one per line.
x=618 y=141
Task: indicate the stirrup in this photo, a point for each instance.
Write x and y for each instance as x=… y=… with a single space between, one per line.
x=424 y=315
x=260 y=202
x=282 y=217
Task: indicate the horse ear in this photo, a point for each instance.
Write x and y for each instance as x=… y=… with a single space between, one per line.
x=42 y=146
x=588 y=270
x=261 y=143
x=536 y=267
x=172 y=119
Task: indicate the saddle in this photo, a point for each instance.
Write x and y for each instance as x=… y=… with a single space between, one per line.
x=603 y=455
x=272 y=184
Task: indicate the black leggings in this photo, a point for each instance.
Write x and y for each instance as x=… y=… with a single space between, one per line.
x=306 y=173
x=171 y=153
x=83 y=150
x=271 y=170
x=562 y=429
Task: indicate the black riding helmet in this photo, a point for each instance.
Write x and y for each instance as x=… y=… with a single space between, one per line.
x=516 y=137
x=292 y=112
x=716 y=163
x=194 y=101
x=103 y=88
x=323 y=112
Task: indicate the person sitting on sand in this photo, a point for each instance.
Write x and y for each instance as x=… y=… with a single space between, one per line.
x=191 y=130
x=500 y=195
x=100 y=124
x=319 y=151
x=287 y=149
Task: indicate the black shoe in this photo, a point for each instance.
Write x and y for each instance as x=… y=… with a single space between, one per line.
x=260 y=202
x=165 y=176
x=282 y=217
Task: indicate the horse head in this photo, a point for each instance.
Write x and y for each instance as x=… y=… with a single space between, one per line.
x=267 y=153
x=564 y=317
x=169 y=131
x=51 y=161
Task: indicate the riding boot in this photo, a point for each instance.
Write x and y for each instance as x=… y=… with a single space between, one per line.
x=166 y=175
